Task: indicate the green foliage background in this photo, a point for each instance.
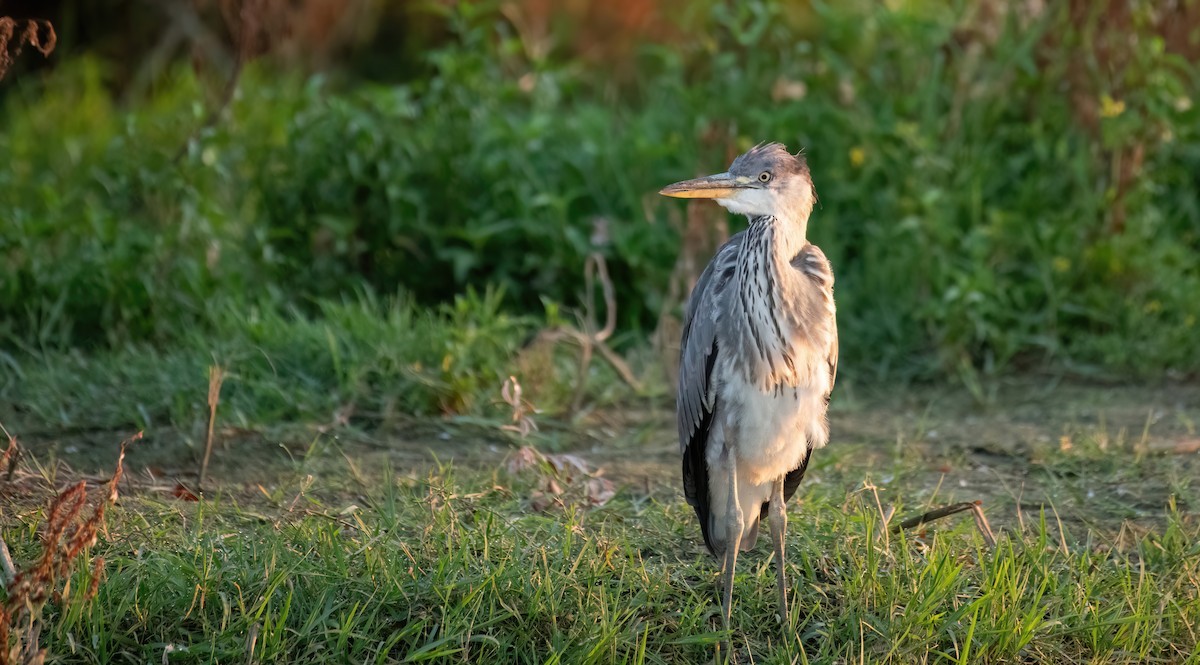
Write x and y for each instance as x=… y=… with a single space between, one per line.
x=967 y=211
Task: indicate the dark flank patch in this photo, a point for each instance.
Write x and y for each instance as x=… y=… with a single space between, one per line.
x=695 y=464
x=790 y=482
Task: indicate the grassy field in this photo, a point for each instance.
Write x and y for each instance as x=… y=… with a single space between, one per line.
x=448 y=541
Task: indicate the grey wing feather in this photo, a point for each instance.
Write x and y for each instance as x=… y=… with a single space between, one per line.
x=826 y=272
x=699 y=340
x=812 y=262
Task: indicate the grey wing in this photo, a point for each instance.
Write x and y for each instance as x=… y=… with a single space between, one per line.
x=696 y=403
x=811 y=262
x=823 y=275
x=698 y=350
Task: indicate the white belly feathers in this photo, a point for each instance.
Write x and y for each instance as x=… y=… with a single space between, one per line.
x=768 y=434
x=771 y=429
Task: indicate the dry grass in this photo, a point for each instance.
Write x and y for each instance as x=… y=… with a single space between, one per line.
x=69 y=531
x=216 y=376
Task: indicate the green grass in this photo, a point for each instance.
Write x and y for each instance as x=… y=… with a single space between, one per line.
x=386 y=358
x=454 y=564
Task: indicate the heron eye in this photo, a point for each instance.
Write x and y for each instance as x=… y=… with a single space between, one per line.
x=765 y=176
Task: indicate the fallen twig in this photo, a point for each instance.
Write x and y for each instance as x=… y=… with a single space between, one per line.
x=976 y=507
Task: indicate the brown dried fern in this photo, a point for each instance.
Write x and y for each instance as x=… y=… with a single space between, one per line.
x=68 y=532
x=16 y=34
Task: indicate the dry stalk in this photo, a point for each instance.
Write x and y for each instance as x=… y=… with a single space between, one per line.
x=216 y=377
x=245 y=21
x=68 y=532
x=976 y=507
x=591 y=339
x=522 y=420
x=9 y=459
x=884 y=516
x=6 y=562
x=11 y=454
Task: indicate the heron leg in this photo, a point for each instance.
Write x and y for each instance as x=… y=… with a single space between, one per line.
x=778 y=520
x=733 y=538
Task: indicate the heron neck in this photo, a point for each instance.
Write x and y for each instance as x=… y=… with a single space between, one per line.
x=784 y=236
x=766 y=286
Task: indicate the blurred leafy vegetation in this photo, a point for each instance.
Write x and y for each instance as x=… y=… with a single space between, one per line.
x=978 y=218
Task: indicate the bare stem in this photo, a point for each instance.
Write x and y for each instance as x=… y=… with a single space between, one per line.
x=6 y=562
x=976 y=507
x=216 y=376
x=591 y=340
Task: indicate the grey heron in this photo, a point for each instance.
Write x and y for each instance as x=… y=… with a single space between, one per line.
x=758 y=359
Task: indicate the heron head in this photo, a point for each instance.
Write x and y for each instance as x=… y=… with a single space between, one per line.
x=766 y=180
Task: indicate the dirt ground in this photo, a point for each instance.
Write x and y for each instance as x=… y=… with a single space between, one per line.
x=1106 y=457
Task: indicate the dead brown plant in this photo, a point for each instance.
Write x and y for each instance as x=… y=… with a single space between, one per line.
x=522 y=409
x=16 y=34
x=589 y=336
x=69 y=531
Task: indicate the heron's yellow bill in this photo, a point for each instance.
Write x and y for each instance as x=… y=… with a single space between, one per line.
x=719 y=186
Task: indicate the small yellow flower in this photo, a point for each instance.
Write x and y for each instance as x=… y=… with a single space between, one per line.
x=446 y=363
x=857 y=156
x=1153 y=306
x=1061 y=264
x=1111 y=108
